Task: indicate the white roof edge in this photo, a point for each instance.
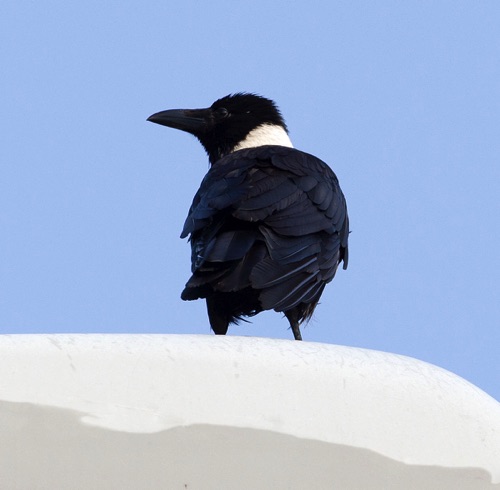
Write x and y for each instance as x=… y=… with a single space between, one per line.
x=396 y=406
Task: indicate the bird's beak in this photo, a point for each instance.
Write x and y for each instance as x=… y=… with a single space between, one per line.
x=193 y=121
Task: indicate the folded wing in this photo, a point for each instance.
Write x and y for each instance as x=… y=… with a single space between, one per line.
x=268 y=219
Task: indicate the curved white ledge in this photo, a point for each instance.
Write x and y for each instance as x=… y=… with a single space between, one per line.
x=186 y=411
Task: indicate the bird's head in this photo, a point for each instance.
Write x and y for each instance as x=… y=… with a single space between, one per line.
x=232 y=123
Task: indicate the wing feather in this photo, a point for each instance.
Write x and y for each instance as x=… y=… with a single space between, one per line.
x=269 y=218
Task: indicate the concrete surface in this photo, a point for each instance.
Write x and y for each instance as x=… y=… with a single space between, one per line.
x=205 y=412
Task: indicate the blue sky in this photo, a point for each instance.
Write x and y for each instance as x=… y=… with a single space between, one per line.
x=401 y=99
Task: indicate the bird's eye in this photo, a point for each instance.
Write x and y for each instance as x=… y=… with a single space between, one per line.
x=222 y=113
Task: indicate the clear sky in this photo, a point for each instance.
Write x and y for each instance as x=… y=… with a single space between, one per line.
x=401 y=99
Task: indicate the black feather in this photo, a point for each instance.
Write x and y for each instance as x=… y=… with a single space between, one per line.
x=269 y=223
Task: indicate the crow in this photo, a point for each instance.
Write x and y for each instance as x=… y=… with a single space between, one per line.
x=268 y=226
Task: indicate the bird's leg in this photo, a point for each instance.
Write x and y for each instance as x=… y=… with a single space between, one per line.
x=294 y=323
x=296 y=330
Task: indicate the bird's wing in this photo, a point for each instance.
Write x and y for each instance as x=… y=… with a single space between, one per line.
x=288 y=199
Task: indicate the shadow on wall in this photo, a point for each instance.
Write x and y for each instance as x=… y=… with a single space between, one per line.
x=44 y=447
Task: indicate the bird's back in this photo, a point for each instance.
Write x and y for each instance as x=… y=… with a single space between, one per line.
x=268 y=228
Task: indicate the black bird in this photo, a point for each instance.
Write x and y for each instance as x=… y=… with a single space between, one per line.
x=268 y=226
